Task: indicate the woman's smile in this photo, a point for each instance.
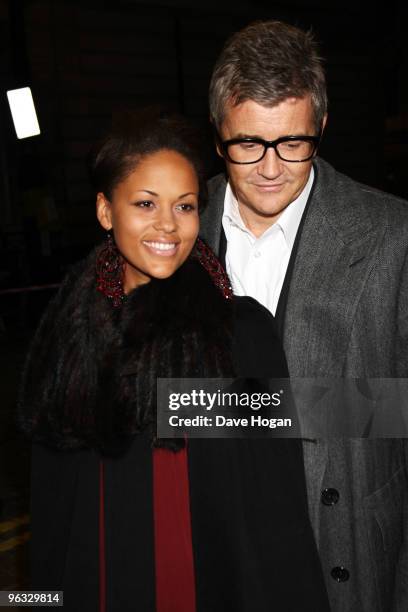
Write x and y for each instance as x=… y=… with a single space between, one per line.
x=161 y=248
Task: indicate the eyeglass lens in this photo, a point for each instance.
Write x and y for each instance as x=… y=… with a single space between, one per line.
x=292 y=150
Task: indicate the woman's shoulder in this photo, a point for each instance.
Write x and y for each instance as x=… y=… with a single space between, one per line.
x=257 y=348
x=253 y=317
x=247 y=307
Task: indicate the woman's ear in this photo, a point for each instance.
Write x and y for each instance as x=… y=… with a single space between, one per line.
x=104 y=211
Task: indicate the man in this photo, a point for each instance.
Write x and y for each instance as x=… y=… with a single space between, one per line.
x=328 y=257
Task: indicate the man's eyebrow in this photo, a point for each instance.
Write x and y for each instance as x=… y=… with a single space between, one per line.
x=243 y=135
x=299 y=134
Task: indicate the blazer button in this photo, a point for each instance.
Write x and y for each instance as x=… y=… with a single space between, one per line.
x=330 y=497
x=340 y=574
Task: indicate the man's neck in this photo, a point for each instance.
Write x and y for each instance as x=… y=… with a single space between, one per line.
x=256 y=223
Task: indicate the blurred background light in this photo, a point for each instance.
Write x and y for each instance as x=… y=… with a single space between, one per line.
x=23 y=112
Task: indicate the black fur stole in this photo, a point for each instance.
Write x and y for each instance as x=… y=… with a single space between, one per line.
x=90 y=375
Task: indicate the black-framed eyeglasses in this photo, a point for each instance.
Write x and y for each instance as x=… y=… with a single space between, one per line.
x=252 y=150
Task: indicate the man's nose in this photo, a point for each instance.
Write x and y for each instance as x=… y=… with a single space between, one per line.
x=270 y=165
x=165 y=221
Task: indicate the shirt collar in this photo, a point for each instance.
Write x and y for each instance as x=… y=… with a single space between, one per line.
x=231 y=210
x=288 y=221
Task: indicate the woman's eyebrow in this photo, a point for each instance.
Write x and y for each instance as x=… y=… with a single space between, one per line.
x=153 y=193
x=147 y=191
x=183 y=195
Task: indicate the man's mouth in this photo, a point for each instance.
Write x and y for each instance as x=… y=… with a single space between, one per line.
x=272 y=187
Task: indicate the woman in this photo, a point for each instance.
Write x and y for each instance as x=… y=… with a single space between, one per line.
x=122 y=520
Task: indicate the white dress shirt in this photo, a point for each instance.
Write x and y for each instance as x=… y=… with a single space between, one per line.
x=257 y=266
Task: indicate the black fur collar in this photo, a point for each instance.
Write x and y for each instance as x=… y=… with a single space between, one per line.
x=90 y=375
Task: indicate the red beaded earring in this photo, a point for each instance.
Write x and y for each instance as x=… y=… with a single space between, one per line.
x=109 y=272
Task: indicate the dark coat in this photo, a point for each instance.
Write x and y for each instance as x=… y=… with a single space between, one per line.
x=253 y=545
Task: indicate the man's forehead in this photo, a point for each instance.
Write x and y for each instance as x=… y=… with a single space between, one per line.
x=251 y=115
x=236 y=101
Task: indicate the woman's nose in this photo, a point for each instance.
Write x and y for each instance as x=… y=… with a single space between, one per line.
x=165 y=221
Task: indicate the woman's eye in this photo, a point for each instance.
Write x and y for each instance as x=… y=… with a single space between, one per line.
x=186 y=207
x=144 y=204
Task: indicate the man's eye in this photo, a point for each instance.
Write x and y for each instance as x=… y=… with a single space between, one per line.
x=249 y=146
x=294 y=144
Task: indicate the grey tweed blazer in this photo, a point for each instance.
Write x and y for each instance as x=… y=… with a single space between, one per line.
x=347 y=316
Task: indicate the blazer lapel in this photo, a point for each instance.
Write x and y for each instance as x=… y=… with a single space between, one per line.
x=283 y=298
x=334 y=259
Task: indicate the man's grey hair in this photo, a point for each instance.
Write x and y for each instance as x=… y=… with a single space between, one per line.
x=268 y=62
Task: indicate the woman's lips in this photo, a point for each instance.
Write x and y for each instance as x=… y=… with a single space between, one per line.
x=163 y=249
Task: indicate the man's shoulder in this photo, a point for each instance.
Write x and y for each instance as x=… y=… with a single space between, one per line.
x=216 y=187
x=340 y=191
x=211 y=217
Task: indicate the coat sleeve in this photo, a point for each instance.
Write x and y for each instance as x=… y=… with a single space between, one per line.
x=43 y=360
x=64 y=525
x=402 y=324
x=401 y=577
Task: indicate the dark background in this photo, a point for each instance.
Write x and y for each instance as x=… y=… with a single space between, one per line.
x=86 y=60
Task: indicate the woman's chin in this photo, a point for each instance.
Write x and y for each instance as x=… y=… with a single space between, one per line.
x=155 y=274
x=163 y=274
